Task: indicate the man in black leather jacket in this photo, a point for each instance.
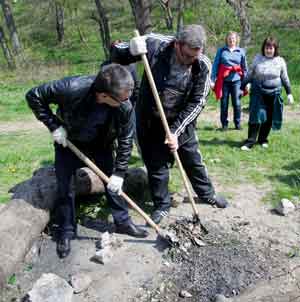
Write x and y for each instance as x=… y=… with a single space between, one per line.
x=181 y=73
x=92 y=112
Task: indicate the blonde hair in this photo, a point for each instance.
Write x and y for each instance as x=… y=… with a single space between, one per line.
x=231 y=33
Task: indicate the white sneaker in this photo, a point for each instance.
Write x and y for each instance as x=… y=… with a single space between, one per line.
x=245 y=148
x=265 y=145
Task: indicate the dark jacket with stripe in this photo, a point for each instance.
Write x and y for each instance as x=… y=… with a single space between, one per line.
x=89 y=125
x=159 y=49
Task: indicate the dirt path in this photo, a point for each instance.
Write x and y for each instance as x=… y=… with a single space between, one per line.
x=208 y=116
x=28 y=125
x=212 y=115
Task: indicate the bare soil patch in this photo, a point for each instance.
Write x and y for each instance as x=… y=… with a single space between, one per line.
x=246 y=245
x=28 y=125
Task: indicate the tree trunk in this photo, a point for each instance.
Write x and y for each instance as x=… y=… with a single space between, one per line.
x=141 y=10
x=6 y=51
x=239 y=7
x=59 y=12
x=11 y=26
x=180 y=9
x=165 y=4
x=103 y=27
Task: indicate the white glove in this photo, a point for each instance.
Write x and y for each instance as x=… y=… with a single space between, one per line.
x=248 y=87
x=137 y=46
x=212 y=85
x=115 y=184
x=290 y=99
x=59 y=135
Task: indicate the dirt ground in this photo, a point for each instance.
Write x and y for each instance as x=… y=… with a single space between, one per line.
x=247 y=244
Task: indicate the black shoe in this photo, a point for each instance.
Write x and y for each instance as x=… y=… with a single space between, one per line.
x=63 y=247
x=217 y=200
x=238 y=127
x=224 y=128
x=158 y=215
x=131 y=229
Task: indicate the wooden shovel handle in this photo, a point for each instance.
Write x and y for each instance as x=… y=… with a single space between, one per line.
x=94 y=168
x=166 y=127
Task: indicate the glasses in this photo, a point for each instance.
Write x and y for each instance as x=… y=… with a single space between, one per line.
x=118 y=101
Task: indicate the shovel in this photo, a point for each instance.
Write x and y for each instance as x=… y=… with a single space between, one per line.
x=196 y=218
x=167 y=236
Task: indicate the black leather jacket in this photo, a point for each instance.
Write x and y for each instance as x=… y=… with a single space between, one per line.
x=88 y=124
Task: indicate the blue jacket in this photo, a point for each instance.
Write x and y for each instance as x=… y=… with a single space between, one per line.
x=226 y=57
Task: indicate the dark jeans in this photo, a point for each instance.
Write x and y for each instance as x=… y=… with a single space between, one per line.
x=158 y=159
x=261 y=130
x=233 y=89
x=66 y=164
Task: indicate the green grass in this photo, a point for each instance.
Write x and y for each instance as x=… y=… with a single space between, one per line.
x=12 y=102
x=21 y=154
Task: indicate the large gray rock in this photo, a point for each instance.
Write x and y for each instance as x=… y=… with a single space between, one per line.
x=51 y=288
x=80 y=282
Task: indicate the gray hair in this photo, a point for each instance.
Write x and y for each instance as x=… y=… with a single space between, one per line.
x=113 y=79
x=193 y=35
x=232 y=33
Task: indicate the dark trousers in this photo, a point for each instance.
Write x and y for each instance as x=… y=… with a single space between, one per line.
x=158 y=159
x=66 y=164
x=260 y=132
x=233 y=89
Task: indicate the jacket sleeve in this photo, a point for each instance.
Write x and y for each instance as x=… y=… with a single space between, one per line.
x=126 y=129
x=120 y=53
x=39 y=100
x=285 y=78
x=244 y=64
x=251 y=72
x=215 y=66
x=196 y=100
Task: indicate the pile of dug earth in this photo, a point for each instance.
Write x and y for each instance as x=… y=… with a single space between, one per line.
x=204 y=265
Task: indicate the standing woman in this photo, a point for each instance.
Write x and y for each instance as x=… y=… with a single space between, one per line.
x=267 y=75
x=229 y=68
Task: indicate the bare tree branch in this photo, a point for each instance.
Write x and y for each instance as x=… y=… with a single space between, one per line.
x=6 y=51
x=103 y=27
x=165 y=4
x=239 y=7
x=10 y=23
x=141 y=10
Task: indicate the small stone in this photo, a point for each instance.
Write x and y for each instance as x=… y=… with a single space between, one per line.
x=103 y=256
x=199 y=242
x=176 y=200
x=104 y=241
x=80 y=282
x=285 y=207
x=185 y=294
x=221 y=298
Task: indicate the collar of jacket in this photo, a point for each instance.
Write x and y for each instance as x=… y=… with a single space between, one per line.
x=236 y=49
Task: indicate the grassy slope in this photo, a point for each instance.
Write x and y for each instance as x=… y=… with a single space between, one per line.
x=47 y=60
